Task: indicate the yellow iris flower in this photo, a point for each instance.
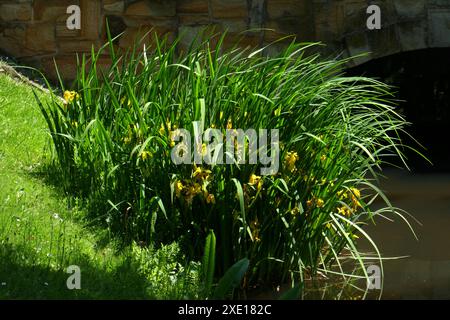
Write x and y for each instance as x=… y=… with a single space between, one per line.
x=69 y=96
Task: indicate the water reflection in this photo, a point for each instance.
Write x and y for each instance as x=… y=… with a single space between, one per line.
x=425 y=274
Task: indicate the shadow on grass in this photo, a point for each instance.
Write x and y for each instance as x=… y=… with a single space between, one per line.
x=21 y=280
x=49 y=174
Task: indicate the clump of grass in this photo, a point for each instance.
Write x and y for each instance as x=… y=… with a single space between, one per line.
x=166 y=274
x=112 y=136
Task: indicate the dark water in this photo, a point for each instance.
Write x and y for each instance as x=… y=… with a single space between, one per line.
x=422 y=84
x=425 y=274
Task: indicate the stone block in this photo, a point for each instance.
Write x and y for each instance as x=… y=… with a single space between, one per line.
x=91 y=19
x=384 y=42
x=190 y=34
x=141 y=21
x=50 y=10
x=439 y=27
x=355 y=17
x=152 y=8
x=358 y=44
x=412 y=35
x=83 y=46
x=229 y=8
x=40 y=38
x=233 y=25
x=242 y=40
x=16 y=12
x=13 y=47
x=328 y=21
x=256 y=14
x=287 y=8
x=67 y=66
x=114 y=6
x=410 y=8
x=17 y=32
x=192 y=6
x=193 y=19
x=298 y=26
x=144 y=35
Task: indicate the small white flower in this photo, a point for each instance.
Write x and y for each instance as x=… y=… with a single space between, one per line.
x=20 y=193
x=3 y=283
x=57 y=217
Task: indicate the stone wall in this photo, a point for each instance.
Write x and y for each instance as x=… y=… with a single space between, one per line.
x=35 y=32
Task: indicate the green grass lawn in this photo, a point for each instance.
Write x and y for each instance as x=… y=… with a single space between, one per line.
x=40 y=236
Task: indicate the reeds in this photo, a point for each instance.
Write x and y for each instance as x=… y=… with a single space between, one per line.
x=113 y=143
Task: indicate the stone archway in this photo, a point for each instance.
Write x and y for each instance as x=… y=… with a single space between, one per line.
x=34 y=30
x=421 y=80
x=407 y=25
